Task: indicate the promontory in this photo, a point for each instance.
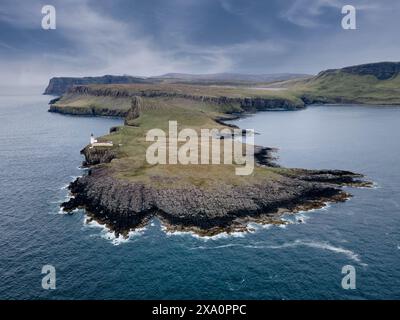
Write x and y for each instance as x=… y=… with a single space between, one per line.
x=124 y=191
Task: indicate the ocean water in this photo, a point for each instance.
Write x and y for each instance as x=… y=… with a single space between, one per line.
x=39 y=153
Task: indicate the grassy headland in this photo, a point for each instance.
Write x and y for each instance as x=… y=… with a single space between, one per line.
x=124 y=191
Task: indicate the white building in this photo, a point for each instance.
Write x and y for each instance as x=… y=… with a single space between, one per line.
x=95 y=143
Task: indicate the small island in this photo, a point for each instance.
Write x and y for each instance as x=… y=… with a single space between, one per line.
x=124 y=192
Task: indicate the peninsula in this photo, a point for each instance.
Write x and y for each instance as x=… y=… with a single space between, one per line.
x=123 y=191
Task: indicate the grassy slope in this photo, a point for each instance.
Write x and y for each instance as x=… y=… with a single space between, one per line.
x=76 y=100
x=132 y=165
x=156 y=112
x=339 y=86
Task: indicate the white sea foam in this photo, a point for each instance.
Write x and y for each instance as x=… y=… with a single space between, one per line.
x=298 y=218
x=312 y=244
x=216 y=247
x=65 y=186
x=320 y=245
x=259 y=226
x=110 y=235
x=222 y=235
x=61 y=211
x=57 y=202
x=375 y=185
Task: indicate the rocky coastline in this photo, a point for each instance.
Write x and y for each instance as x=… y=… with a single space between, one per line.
x=124 y=206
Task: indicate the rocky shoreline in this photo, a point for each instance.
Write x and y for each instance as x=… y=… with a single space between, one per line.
x=123 y=206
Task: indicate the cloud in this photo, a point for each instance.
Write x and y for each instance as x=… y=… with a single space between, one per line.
x=151 y=38
x=305 y=13
x=97 y=43
x=310 y=13
x=100 y=44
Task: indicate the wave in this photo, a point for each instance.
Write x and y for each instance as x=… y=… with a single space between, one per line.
x=65 y=186
x=110 y=235
x=312 y=244
x=61 y=211
x=222 y=235
x=320 y=245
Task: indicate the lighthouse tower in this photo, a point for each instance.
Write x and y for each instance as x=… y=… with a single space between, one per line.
x=92 y=139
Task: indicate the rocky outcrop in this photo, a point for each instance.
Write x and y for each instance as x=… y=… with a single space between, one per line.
x=60 y=85
x=98 y=155
x=264 y=156
x=380 y=70
x=124 y=205
x=134 y=111
x=87 y=111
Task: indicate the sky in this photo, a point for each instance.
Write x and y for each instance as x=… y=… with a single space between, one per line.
x=153 y=37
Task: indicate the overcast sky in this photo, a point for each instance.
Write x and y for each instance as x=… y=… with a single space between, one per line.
x=152 y=37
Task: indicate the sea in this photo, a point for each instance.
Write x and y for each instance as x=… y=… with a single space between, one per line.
x=303 y=259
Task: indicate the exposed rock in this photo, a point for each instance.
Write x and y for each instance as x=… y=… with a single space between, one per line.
x=85 y=111
x=381 y=70
x=134 y=111
x=124 y=205
x=248 y=104
x=98 y=155
x=60 y=85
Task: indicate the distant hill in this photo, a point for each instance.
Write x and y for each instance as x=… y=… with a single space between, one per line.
x=60 y=85
x=233 y=77
x=373 y=83
x=380 y=70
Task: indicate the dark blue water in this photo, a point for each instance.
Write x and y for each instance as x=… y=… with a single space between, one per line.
x=40 y=154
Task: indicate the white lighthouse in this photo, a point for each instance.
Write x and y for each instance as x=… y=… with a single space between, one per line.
x=95 y=143
x=92 y=139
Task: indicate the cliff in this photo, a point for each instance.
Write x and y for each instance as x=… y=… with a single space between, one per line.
x=60 y=85
x=115 y=100
x=374 y=83
x=380 y=70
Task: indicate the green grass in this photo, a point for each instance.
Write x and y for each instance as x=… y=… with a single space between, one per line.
x=117 y=97
x=156 y=112
x=96 y=102
x=340 y=86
